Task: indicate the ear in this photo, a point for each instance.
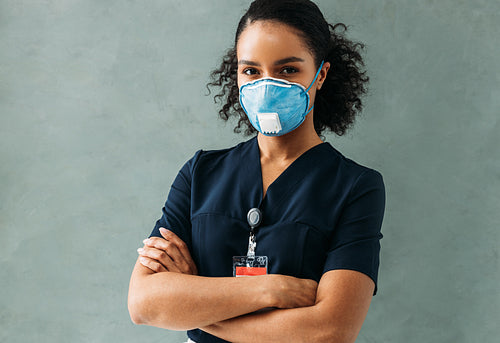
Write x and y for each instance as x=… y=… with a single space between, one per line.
x=322 y=75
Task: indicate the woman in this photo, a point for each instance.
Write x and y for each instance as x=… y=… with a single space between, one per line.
x=283 y=206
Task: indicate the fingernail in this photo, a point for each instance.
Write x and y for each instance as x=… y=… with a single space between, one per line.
x=142 y=259
x=162 y=229
x=146 y=241
x=140 y=250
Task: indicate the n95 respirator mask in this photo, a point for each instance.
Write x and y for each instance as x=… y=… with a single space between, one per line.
x=274 y=106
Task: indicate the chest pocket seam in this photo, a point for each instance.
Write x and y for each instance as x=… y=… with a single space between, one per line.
x=206 y=214
x=312 y=227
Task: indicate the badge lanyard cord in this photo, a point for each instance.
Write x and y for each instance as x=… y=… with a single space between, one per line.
x=251 y=264
x=254 y=218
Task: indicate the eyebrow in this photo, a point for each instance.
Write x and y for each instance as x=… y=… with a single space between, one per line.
x=278 y=62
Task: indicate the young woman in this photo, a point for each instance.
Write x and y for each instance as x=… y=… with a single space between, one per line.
x=284 y=207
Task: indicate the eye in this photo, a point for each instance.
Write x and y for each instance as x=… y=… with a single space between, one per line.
x=289 y=70
x=250 y=71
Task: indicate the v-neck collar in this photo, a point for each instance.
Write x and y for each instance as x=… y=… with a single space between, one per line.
x=295 y=172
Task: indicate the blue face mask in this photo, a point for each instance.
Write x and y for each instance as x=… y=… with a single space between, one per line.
x=274 y=106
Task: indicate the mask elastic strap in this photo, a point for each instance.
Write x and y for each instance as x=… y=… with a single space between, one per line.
x=309 y=110
x=312 y=83
x=314 y=80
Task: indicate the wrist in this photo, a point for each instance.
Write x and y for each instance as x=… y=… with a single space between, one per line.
x=268 y=290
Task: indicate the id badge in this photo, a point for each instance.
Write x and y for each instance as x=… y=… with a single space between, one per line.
x=249 y=265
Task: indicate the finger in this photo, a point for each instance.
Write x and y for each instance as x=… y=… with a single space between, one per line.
x=168 y=253
x=185 y=264
x=159 y=256
x=155 y=266
x=169 y=247
x=181 y=245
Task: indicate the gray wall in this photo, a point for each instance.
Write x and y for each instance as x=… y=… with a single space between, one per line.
x=101 y=102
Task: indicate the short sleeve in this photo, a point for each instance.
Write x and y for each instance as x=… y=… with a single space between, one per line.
x=355 y=243
x=176 y=213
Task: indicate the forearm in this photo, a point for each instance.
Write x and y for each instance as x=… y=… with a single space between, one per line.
x=181 y=302
x=306 y=324
x=341 y=306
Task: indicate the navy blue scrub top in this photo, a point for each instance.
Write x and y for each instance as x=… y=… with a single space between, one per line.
x=323 y=212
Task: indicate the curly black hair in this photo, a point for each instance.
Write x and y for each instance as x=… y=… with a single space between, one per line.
x=339 y=99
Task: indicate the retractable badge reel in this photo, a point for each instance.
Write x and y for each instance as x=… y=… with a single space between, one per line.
x=251 y=265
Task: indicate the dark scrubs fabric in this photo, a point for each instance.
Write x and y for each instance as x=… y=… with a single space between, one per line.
x=323 y=212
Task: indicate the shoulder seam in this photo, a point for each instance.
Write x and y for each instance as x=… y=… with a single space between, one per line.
x=355 y=184
x=196 y=157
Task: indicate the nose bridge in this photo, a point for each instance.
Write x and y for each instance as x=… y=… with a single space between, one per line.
x=266 y=72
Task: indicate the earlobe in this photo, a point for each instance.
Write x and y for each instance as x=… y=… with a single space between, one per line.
x=322 y=80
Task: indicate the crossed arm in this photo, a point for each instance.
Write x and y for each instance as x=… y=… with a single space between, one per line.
x=165 y=292
x=343 y=298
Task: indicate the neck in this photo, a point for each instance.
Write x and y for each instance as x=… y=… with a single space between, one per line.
x=291 y=145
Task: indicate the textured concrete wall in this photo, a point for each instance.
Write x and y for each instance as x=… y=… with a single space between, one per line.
x=101 y=102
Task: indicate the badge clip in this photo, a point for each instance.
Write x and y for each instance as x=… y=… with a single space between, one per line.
x=251 y=265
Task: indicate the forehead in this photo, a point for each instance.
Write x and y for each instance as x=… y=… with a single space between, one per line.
x=271 y=38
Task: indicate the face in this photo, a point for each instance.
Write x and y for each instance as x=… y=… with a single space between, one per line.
x=273 y=49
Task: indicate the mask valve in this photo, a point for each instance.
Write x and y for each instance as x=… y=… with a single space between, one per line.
x=269 y=122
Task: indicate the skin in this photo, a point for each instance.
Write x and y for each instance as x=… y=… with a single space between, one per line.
x=164 y=288
x=262 y=48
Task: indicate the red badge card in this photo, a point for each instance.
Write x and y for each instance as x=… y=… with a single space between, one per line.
x=249 y=265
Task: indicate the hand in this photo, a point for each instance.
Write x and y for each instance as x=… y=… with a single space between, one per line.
x=292 y=292
x=169 y=253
